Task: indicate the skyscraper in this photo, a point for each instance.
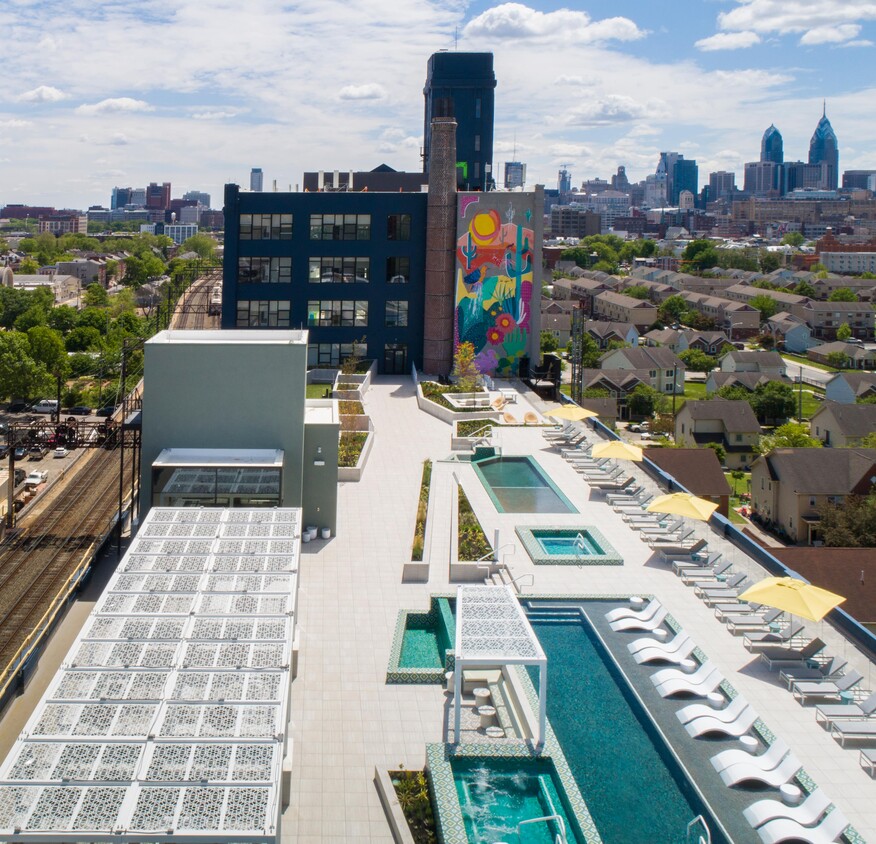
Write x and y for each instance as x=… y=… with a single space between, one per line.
x=515 y=174
x=120 y=198
x=158 y=196
x=685 y=176
x=772 y=146
x=256 y=179
x=462 y=85
x=824 y=150
x=564 y=182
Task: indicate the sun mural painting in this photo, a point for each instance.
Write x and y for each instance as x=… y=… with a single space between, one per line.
x=493 y=285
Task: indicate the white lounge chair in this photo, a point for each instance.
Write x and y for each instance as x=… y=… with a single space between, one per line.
x=654 y=654
x=666 y=674
x=710 y=724
x=863 y=730
x=648 y=642
x=751 y=772
x=637 y=624
x=826 y=688
x=828 y=712
x=783 y=829
x=702 y=710
x=806 y=814
x=628 y=612
x=687 y=684
x=766 y=761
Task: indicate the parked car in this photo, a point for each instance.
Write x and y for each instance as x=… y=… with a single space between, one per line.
x=17 y=406
x=20 y=475
x=635 y=429
x=78 y=411
x=45 y=406
x=20 y=452
x=109 y=410
x=60 y=451
x=36 y=452
x=38 y=476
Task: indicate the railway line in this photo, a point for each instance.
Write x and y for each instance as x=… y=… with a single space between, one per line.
x=197 y=308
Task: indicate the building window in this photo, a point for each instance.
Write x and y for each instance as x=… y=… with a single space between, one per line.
x=477 y=143
x=397 y=314
x=332 y=354
x=266 y=227
x=398 y=227
x=340 y=226
x=271 y=313
x=811 y=501
x=398 y=270
x=339 y=270
x=739 y=438
x=477 y=106
x=264 y=270
x=337 y=312
x=476 y=170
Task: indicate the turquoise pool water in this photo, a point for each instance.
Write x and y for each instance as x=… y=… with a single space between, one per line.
x=567 y=544
x=495 y=799
x=633 y=788
x=420 y=647
x=518 y=485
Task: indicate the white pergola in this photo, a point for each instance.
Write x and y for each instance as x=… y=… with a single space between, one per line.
x=492 y=630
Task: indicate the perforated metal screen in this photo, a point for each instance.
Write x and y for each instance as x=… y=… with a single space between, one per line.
x=167 y=719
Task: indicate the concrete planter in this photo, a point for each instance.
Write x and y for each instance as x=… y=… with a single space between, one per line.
x=458 y=443
x=355 y=422
x=447 y=415
x=354 y=473
x=401 y=832
x=467 y=571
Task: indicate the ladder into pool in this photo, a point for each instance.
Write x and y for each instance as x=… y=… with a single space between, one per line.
x=698 y=832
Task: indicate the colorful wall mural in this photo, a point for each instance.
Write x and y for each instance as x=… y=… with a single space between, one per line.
x=495 y=252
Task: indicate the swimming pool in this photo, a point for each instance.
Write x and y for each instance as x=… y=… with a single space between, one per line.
x=496 y=798
x=633 y=787
x=518 y=485
x=582 y=545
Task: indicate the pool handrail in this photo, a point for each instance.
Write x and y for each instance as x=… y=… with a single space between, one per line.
x=561 y=837
x=699 y=819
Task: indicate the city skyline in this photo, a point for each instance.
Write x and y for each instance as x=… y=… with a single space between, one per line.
x=104 y=95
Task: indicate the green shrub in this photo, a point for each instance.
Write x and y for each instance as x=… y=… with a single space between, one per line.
x=412 y=790
x=434 y=392
x=422 y=512
x=469 y=427
x=350 y=408
x=350 y=446
x=472 y=542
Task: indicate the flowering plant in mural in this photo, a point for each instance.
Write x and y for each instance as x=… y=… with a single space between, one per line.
x=493 y=283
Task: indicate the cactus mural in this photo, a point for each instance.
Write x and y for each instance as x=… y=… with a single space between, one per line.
x=494 y=273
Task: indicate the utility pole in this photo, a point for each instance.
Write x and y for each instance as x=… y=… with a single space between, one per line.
x=122 y=444
x=800 y=397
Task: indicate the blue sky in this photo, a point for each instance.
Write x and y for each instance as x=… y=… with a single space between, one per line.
x=103 y=93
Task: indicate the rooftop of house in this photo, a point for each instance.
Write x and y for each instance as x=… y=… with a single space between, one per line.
x=764 y=360
x=648 y=357
x=853 y=350
x=625 y=379
x=605 y=328
x=622 y=299
x=736 y=415
x=823 y=471
x=697 y=469
x=784 y=319
x=860 y=382
x=777 y=295
x=853 y=420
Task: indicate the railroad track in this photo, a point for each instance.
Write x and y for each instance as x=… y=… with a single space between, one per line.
x=192 y=311
x=37 y=564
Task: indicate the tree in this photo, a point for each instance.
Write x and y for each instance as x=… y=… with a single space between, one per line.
x=83 y=338
x=769 y=261
x=47 y=348
x=736 y=393
x=203 y=244
x=851 y=524
x=13 y=303
x=28 y=267
x=63 y=318
x=672 y=309
x=842 y=294
x=844 y=332
x=590 y=352
x=720 y=451
x=773 y=401
x=464 y=368
x=595 y=393
x=122 y=302
x=766 y=341
x=700 y=255
x=697 y=361
x=549 y=342
x=34 y=315
x=804 y=288
x=637 y=291
x=737 y=475
x=20 y=375
x=644 y=401
x=94 y=318
x=766 y=305
x=793 y=239
x=838 y=360
x=789 y=435
x=95 y=296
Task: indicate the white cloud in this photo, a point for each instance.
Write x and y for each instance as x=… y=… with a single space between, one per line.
x=569 y=80
x=830 y=34
x=514 y=21
x=43 y=94
x=368 y=91
x=15 y=124
x=795 y=16
x=115 y=105
x=213 y=115
x=613 y=108
x=860 y=42
x=728 y=41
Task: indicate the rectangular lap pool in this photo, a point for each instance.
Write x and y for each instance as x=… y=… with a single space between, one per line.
x=518 y=485
x=555 y=545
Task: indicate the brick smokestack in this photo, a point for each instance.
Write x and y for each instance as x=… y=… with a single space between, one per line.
x=440 y=246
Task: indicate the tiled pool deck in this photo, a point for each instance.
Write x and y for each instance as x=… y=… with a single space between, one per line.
x=346 y=719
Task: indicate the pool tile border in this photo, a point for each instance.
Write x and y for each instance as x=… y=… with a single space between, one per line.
x=526 y=533
x=396 y=674
x=541 y=471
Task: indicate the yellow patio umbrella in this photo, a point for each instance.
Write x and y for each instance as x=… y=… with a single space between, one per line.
x=683 y=504
x=793 y=596
x=617 y=449
x=571 y=412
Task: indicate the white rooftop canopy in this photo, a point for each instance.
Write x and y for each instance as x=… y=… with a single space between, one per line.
x=167 y=719
x=492 y=630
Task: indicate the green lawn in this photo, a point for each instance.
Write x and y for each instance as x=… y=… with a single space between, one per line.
x=813 y=364
x=317 y=391
x=694 y=389
x=741 y=485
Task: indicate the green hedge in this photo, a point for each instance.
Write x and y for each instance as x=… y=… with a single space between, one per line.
x=422 y=512
x=472 y=542
x=350 y=446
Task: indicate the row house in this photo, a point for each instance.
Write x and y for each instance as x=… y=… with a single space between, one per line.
x=737 y=318
x=616 y=307
x=824 y=318
x=790 y=302
x=791 y=331
x=665 y=369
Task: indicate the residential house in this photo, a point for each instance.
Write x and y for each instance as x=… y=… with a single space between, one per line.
x=64 y=287
x=750 y=381
x=848 y=387
x=664 y=367
x=825 y=318
x=789 y=485
x=790 y=302
x=843 y=425
x=697 y=470
x=766 y=363
x=87 y=270
x=737 y=318
x=858 y=357
x=710 y=342
x=730 y=423
x=556 y=319
x=580 y=289
x=606 y=333
x=618 y=383
x=616 y=307
x=790 y=331
x=605 y=408
x=671 y=338
x=657 y=292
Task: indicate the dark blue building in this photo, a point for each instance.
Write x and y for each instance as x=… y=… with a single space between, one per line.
x=771 y=146
x=349 y=267
x=824 y=150
x=464 y=84
x=685 y=176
